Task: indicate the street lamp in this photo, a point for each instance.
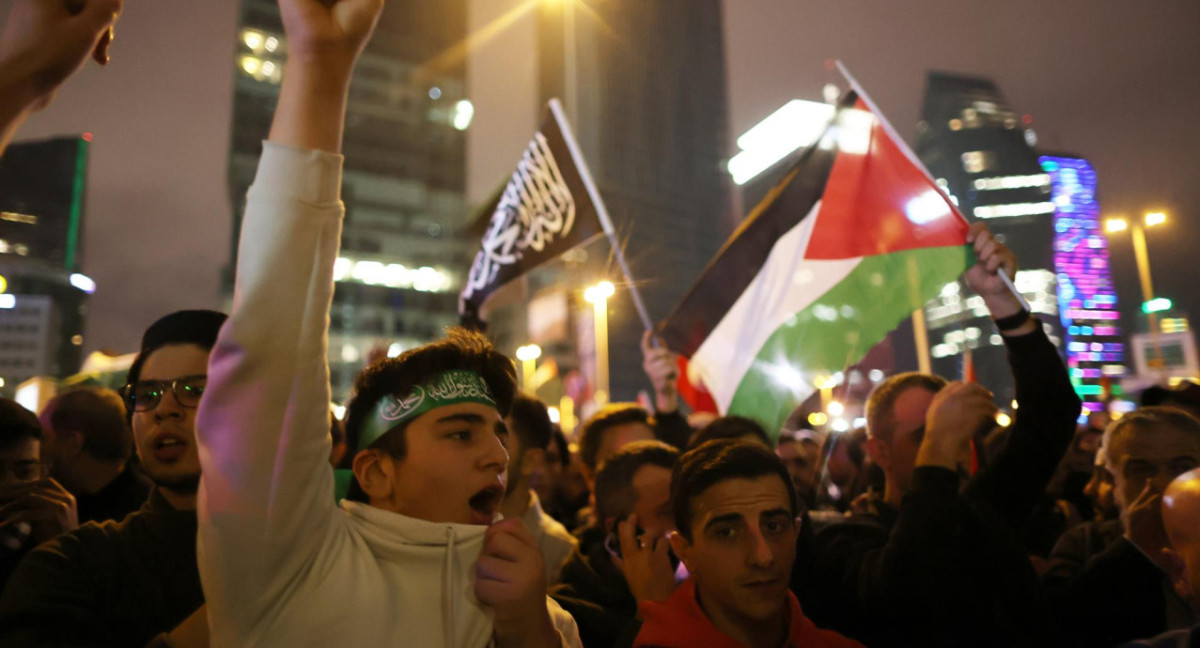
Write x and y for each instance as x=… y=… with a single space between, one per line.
x=597 y=296
x=528 y=356
x=1138 y=235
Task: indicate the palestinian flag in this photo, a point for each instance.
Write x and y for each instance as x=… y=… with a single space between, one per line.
x=850 y=242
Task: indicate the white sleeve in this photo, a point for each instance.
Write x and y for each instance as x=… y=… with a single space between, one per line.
x=568 y=630
x=266 y=495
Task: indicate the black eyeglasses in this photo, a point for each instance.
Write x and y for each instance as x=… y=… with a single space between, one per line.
x=145 y=395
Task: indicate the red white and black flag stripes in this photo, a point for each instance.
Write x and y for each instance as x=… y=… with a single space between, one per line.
x=739 y=261
x=543 y=211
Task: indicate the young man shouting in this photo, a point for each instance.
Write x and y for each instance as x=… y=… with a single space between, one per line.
x=413 y=561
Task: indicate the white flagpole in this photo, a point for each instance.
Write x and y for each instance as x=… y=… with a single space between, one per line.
x=916 y=161
x=601 y=211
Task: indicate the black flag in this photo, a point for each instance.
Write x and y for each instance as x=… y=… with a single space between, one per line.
x=544 y=211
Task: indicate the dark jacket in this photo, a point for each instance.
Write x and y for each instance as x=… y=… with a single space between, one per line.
x=1133 y=596
x=122 y=496
x=1075 y=549
x=107 y=584
x=947 y=566
x=594 y=591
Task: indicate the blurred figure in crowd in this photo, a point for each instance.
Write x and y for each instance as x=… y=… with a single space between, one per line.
x=1128 y=584
x=938 y=539
x=33 y=507
x=730 y=427
x=622 y=558
x=800 y=452
x=88 y=446
x=529 y=434
x=1181 y=518
x=125 y=583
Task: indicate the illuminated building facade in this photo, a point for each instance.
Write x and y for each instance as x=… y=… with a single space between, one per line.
x=403 y=255
x=43 y=295
x=981 y=154
x=1086 y=295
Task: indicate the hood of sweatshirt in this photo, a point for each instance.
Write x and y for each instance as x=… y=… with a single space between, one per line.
x=433 y=563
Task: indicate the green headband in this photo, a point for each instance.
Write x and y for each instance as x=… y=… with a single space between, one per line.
x=449 y=388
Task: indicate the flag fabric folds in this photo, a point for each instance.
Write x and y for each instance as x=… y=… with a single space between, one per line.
x=543 y=211
x=854 y=238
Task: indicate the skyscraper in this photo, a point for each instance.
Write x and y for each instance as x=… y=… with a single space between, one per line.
x=644 y=84
x=43 y=296
x=981 y=154
x=1087 y=299
x=403 y=256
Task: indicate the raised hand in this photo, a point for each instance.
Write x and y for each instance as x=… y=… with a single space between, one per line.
x=991 y=256
x=328 y=31
x=325 y=38
x=956 y=413
x=645 y=563
x=46 y=41
x=659 y=365
x=511 y=579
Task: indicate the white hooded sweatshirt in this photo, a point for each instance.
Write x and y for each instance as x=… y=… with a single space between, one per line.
x=281 y=563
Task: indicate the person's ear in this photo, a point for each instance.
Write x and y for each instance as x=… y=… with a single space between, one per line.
x=373 y=470
x=531 y=462
x=682 y=548
x=69 y=443
x=881 y=452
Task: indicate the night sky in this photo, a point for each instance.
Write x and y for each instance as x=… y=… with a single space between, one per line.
x=1117 y=85
x=1115 y=82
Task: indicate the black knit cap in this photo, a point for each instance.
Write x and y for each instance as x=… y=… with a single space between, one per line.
x=198 y=327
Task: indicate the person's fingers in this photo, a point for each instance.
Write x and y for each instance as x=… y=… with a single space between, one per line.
x=505 y=547
x=982 y=238
x=514 y=528
x=988 y=252
x=647 y=342
x=496 y=569
x=626 y=535
x=100 y=53
x=1009 y=259
x=976 y=228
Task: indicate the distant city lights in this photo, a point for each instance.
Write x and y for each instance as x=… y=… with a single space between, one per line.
x=391 y=275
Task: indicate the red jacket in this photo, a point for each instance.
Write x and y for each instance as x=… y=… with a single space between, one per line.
x=679 y=622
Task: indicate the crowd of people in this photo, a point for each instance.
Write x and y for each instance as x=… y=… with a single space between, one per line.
x=197 y=507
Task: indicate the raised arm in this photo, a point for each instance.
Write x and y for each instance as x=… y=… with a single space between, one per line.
x=43 y=43
x=266 y=495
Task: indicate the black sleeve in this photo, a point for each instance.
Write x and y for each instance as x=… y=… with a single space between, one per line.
x=861 y=571
x=672 y=428
x=51 y=601
x=1122 y=587
x=1043 y=427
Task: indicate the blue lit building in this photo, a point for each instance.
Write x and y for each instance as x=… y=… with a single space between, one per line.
x=1087 y=299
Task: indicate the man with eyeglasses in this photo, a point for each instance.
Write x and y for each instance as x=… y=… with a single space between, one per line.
x=33 y=507
x=132 y=582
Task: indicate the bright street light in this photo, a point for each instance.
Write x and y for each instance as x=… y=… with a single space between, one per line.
x=600 y=292
x=529 y=352
x=1114 y=225
x=835 y=408
x=597 y=296
x=1138 y=238
x=528 y=356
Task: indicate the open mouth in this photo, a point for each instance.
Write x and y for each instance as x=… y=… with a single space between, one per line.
x=484 y=504
x=169 y=446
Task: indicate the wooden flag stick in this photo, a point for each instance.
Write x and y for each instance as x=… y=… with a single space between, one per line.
x=601 y=211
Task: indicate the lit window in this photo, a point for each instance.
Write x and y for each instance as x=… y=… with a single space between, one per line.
x=978 y=161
